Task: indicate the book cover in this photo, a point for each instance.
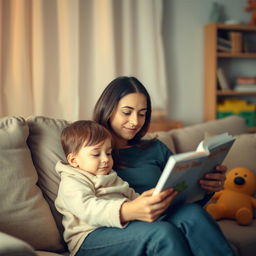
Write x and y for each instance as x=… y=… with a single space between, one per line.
x=224 y=45
x=183 y=171
x=245 y=88
x=246 y=80
x=223 y=82
x=236 y=42
x=224 y=42
x=223 y=48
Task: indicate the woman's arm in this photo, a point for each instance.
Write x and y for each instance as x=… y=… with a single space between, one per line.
x=214 y=182
x=146 y=207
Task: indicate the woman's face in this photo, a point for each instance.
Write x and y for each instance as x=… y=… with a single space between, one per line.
x=128 y=117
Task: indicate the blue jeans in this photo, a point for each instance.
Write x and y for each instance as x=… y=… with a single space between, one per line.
x=189 y=230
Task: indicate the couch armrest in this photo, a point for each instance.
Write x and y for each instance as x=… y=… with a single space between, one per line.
x=11 y=246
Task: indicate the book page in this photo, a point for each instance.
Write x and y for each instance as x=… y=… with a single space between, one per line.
x=183 y=171
x=216 y=156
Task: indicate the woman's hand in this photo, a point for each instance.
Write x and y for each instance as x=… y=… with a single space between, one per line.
x=147 y=207
x=214 y=182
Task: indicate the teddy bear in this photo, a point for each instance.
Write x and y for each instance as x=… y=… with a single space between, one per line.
x=252 y=7
x=236 y=200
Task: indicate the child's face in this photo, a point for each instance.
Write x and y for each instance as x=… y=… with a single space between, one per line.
x=95 y=159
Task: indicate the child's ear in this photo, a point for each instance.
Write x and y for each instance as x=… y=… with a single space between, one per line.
x=72 y=160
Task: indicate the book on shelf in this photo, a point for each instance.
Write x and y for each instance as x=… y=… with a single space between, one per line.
x=224 y=45
x=236 y=41
x=223 y=48
x=223 y=41
x=249 y=44
x=245 y=84
x=245 y=87
x=183 y=171
x=222 y=79
x=246 y=80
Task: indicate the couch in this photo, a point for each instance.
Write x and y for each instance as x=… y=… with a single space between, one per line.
x=29 y=149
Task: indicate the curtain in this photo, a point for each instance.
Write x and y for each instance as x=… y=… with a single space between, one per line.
x=57 y=56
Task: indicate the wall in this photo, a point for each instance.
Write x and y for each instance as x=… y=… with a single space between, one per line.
x=183 y=23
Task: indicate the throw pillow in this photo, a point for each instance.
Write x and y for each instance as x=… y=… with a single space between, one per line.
x=24 y=213
x=46 y=150
x=243 y=152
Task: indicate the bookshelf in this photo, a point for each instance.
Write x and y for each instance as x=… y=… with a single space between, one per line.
x=233 y=63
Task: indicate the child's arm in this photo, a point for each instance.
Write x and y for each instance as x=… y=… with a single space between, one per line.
x=80 y=199
x=127 y=191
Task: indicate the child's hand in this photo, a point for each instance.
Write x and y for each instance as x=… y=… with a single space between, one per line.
x=147 y=207
x=214 y=182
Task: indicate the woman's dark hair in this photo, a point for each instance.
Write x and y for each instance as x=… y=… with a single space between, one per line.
x=116 y=90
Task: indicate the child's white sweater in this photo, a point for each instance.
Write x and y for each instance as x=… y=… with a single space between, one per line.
x=89 y=201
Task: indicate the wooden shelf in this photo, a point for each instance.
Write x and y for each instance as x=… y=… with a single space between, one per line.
x=213 y=59
x=233 y=27
x=230 y=92
x=236 y=55
x=252 y=129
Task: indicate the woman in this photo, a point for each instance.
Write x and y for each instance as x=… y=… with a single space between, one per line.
x=124 y=108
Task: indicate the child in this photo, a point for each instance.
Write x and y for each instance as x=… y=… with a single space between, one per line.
x=90 y=193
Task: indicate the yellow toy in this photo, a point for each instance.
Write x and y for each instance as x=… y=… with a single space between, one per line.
x=236 y=200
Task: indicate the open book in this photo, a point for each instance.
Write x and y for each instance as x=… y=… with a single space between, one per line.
x=183 y=171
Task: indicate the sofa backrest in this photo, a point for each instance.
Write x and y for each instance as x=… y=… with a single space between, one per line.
x=187 y=138
x=24 y=212
x=242 y=153
x=46 y=150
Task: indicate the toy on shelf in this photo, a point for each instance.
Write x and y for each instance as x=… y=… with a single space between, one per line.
x=252 y=8
x=238 y=107
x=215 y=14
x=236 y=201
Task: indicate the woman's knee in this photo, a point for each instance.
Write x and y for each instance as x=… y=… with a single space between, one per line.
x=189 y=211
x=163 y=229
x=160 y=231
x=168 y=240
x=158 y=228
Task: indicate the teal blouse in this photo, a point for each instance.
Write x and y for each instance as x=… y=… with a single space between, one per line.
x=145 y=165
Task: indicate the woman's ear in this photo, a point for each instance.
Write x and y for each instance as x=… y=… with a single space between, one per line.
x=72 y=160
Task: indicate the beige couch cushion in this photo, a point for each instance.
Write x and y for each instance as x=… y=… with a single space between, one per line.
x=44 y=143
x=243 y=237
x=164 y=137
x=243 y=152
x=44 y=253
x=187 y=139
x=11 y=246
x=24 y=213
